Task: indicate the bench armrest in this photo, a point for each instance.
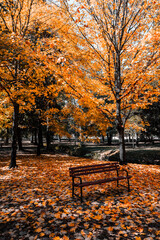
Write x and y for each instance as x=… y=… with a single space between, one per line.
x=76 y=177
x=124 y=171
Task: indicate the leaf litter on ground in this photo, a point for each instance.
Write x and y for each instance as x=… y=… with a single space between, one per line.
x=36 y=202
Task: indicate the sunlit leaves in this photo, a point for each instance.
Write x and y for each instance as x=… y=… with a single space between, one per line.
x=127 y=31
x=92 y=62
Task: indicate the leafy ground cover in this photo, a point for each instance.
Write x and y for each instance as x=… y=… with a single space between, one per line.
x=36 y=202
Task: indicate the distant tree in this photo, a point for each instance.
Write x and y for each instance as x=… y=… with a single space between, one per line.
x=122 y=38
x=30 y=51
x=151 y=116
x=22 y=69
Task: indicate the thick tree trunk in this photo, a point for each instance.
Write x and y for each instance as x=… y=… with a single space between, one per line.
x=19 y=139
x=14 y=136
x=122 y=153
x=119 y=120
x=120 y=128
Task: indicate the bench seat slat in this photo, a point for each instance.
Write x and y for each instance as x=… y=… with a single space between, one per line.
x=94 y=166
x=83 y=184
x=87 y=171
x=90 y=168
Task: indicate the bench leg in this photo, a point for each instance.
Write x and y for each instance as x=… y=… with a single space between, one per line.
x=81 y=195
x=117 y=179
x=128 y=186
x=117 y=182
x=72 y=187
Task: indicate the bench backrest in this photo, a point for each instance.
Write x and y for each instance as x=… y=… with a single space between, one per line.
x=89 y=169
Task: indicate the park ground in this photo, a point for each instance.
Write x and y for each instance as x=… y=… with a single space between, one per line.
x=36 y=202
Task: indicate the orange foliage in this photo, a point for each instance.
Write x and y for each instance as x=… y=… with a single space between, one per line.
x=103 y=56
x=121 y=42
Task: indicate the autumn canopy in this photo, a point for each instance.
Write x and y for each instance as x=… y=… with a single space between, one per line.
x=91 y=62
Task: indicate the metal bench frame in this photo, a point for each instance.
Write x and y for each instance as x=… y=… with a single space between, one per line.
x=77 y=172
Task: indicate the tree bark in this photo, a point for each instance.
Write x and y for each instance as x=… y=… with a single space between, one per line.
x=7 y=137
x=102 y=139
x=32 y=138
x=137 y=140
x=48 y=139
x=119 y=121
x=40 y=136
x=19 y=135
x=109 y=138
x=40 y=139
x=129 y=137
x=48 y=136
x=14 y=136
x=35 y=136
x=122 y=153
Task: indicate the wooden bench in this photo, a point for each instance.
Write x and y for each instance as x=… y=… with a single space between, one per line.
x=77 y=172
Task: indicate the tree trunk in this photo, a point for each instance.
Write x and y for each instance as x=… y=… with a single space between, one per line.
x=38 y=150
x=119 y=121
x=35 y=136
x=120 y=128
x=40 y=136
x=19 y=135
x=40 y=139
x=48 y=136
x=122 y=153
x=137 y=140
x=7 y=137
x=152 y=139
x=109 y=138
x=102 y=139
x=32 y=138
x=133 y=143
x=14 y=136
x=48 y=139
x=129 y=137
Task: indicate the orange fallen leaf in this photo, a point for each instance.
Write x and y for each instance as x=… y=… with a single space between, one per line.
x=110 y=229
x=38 y=230
x=42 y=234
